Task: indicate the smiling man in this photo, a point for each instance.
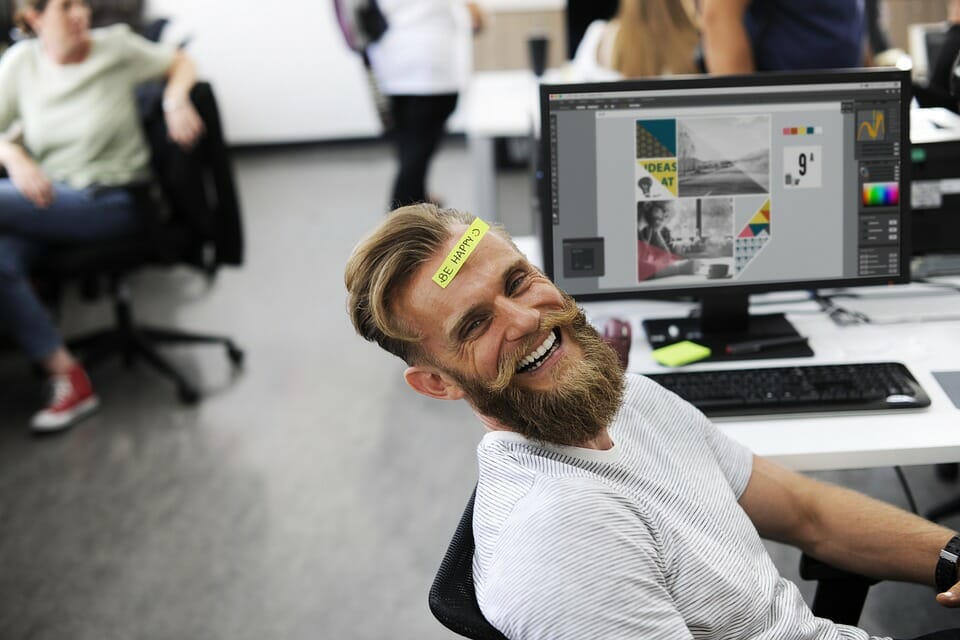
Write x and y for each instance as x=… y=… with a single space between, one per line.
x=606 y=506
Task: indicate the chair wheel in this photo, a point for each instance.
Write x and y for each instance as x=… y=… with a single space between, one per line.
x=188 y=395
x=236 y=355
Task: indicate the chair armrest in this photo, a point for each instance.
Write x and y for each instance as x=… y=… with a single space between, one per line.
x=840 y=594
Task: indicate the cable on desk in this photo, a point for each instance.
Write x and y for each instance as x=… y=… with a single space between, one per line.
x=840 y=315
x=906 y=489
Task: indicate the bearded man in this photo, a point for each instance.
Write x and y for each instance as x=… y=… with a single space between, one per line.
x=606 y=506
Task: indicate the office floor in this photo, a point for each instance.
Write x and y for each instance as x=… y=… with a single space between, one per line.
x=310 y=496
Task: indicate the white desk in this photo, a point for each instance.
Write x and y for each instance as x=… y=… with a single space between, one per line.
x=838 y=441
x=918 y=325
x=498 y=104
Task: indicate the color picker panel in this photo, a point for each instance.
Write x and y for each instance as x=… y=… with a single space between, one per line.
x=881 y=194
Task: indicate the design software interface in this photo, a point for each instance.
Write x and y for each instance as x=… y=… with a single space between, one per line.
x=691 y=187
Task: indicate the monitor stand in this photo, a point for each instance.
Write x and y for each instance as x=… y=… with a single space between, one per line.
x=723 y=320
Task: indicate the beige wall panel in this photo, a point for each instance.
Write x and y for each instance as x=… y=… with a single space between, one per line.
x=897 y=14
x=503 y=43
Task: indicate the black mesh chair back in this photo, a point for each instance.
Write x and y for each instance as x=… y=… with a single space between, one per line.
x=453 y=600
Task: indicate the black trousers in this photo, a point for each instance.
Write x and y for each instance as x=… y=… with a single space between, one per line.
x=418 y=128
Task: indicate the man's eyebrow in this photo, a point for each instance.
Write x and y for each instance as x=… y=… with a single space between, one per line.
x=453 y=337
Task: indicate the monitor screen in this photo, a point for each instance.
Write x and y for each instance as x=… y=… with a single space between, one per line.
x=717 y=187
x=935 y=185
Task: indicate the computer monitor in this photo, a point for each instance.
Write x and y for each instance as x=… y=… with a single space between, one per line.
x=935 y=184
x=719 y=187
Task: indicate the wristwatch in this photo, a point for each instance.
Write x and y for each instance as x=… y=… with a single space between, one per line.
x=946 y=574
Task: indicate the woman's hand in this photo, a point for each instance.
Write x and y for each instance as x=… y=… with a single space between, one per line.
x=183 y=123
x=29 y=179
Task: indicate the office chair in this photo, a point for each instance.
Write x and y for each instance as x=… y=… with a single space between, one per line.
x=839 y=596
x=195 y=222
x=453 y=600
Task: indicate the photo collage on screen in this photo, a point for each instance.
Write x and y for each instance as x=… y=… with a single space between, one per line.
x=691 y=175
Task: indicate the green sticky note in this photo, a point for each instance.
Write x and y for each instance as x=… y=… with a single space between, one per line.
x=681 y=353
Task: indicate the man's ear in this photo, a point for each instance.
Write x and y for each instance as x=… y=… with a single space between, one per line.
x=432 y=383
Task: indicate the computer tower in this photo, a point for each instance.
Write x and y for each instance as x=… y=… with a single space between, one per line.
x=935 y=181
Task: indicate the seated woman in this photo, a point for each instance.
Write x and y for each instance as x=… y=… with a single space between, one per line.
x=656 y=253
x=645 y=38
x=81 y=164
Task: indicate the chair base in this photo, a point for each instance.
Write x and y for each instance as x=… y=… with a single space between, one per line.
x=132 y=343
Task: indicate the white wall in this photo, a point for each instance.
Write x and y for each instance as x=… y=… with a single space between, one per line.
x=280 y=69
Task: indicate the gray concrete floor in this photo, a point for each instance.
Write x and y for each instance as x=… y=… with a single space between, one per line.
x=309 y=496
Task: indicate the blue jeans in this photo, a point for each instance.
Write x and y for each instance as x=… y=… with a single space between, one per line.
x=27 y=233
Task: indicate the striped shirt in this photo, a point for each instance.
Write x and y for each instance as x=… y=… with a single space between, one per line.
x=644 y=540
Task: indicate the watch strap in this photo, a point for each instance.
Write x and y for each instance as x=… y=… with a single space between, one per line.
x=946 y=574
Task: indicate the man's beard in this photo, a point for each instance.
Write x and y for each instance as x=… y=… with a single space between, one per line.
x=584 y=399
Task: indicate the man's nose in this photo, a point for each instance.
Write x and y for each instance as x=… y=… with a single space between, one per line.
x=521 y=320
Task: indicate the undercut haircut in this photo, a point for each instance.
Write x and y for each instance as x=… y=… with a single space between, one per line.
x=381 y=267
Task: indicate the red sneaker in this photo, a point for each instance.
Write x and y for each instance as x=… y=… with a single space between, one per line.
x=71 y=399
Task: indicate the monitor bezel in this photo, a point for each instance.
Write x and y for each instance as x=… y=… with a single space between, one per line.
x=838 y=76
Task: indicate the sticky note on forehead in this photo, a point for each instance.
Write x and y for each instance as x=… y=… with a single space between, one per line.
x=461 y=251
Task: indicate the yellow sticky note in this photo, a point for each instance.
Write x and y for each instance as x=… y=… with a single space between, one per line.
x=459 y=254
x=681 y=353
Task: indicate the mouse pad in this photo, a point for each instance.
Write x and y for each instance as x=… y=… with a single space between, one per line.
x=950 y=381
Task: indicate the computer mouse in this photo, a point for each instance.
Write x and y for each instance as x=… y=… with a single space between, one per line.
x=616 y=333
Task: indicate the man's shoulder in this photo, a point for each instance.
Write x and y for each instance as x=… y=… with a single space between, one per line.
x=569 y=503
x=641 y=391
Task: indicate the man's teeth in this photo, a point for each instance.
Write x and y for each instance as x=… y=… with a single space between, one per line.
x=535 y=359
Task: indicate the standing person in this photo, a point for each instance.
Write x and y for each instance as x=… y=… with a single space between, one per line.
x=417 y=63
x=80 y=168
x=606 y=506
x=742 y=36
x=645 y=38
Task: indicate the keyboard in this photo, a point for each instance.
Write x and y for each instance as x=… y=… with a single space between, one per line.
x=800 y=389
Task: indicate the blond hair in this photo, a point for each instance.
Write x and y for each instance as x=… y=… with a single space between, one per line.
x=382 y=264
x=655 y=37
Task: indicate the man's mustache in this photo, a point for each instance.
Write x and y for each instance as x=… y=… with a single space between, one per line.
x=509 y=362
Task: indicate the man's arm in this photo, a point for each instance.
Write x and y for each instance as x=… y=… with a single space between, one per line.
x=844 y=528
x=726 y=46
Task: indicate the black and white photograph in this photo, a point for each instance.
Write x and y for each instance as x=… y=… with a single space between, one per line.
x=686 y=237
x=703 y=228
x=727 y=155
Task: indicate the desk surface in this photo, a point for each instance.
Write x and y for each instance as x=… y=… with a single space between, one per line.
x=916 y=324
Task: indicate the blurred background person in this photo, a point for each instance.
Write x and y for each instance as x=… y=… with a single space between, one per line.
x=79 y=168
x=937 y=92
x=417 y=63
x=644 y=38
x=742 y=36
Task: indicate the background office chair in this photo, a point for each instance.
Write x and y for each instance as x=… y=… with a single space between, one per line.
x=839 y=596
x=195 y=221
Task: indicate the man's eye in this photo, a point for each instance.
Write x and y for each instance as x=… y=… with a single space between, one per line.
x=516 y=283
x=472 y=327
